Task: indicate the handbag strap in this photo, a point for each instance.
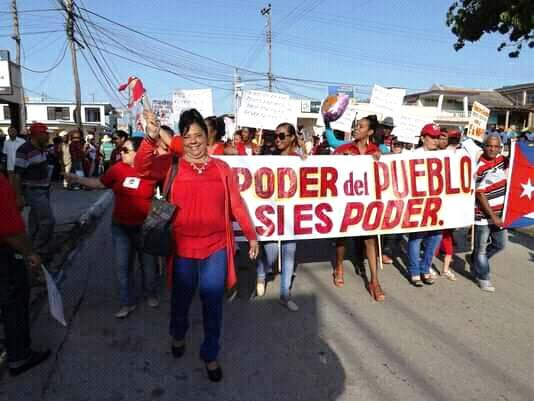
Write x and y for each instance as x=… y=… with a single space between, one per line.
x=172 y=176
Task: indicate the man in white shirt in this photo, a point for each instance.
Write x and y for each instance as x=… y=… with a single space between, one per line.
x=11 y=144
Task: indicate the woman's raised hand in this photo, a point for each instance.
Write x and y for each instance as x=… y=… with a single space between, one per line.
x=152 y=124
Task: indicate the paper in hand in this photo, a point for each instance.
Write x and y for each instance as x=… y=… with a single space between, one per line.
x=54 y=298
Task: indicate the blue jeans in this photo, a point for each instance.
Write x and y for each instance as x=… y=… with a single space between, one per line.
x=267 y=258
x=209 y=275
x=430 y=241
x=484 y=249
x=126 y=245
x=41 y=219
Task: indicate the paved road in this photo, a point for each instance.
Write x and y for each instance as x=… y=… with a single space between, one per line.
x=446 y=342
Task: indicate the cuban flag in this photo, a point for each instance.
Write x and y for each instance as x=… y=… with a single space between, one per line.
x=519 y=203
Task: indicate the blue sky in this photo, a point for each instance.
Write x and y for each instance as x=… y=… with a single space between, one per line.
x=362 y=42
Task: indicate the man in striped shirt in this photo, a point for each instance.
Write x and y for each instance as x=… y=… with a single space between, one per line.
x=32 y=183
x=490 y=236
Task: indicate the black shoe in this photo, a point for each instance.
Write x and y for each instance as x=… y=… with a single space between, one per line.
x=427 y=280
x=215 y=375
x=417 y=282
x=179 y=351
x=35 y=359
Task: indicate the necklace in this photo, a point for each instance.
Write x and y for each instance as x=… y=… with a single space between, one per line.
x=202 y=168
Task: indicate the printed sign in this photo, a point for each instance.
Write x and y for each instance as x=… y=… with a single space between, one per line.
x=200 y=99
x=344 y=123
x=5 y=78
x=265 y=110
x=478 y=122
x=387 y=101
x=345 y=196
x=163 y=110
x=408 y=128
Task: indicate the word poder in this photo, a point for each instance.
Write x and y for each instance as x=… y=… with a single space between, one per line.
x=333 y=196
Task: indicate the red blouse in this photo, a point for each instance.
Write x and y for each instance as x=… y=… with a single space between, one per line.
x=199 y=230
x=352 y=149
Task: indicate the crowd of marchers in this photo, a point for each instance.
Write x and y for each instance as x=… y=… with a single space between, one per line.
x=207 y=200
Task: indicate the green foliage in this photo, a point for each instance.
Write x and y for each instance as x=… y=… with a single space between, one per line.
x=471 y=19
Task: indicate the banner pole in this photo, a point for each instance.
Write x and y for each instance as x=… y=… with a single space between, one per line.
x=380 y=252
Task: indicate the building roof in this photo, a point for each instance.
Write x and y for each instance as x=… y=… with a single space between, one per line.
x=489 y=98
x=516 y=87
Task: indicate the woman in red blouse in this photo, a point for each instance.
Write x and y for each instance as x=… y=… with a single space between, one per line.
x=207 y=197
x=361 y=145
x=133 y=197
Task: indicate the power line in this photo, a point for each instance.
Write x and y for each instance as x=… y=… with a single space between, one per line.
x=60 y=59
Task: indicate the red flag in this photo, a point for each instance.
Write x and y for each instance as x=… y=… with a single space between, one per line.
x=137 y=90
x=519 y=206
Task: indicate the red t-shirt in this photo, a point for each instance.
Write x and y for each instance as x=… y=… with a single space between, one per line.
x=133 y=194
x=352 y=149
x=217 y=149
x=199 y=225
x=12 y=223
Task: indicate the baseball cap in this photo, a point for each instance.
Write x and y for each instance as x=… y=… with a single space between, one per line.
x=431 y=130
x=38 y=129
x=454 y=133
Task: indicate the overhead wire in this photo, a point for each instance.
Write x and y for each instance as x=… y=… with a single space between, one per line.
x=56 y=64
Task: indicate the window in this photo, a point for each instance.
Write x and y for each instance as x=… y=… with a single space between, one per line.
x=58 y=113
x=7 y=113
x=530 y=97
x=92 y=114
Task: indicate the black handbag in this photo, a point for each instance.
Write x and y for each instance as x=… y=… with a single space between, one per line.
x=156 y=231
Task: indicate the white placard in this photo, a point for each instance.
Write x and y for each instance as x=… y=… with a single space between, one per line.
x=229 y=128
x=387 y=101
x=344 y=123
x=408 y=128
x=54 y=298
x=265 y=110
x=478 y=121
x=200 y=99
x=5 y=76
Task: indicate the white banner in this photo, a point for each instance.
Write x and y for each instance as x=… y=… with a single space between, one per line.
x=265 y=110
x=387 y=101
x=334 y=196
x=200 y=99
x=478 y=121
x=344 y=123
x=408 y=129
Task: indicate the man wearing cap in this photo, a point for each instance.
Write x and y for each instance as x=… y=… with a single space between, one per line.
x=15 y=253
x=420 y=268
x=32 y=183
x=453 y=138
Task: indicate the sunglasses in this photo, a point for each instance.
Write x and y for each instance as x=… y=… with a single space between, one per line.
x=281 y=136
x=125 y=150
x=398 y=145
x=115 y=138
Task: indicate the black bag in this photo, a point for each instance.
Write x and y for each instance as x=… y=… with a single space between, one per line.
x=156 y=231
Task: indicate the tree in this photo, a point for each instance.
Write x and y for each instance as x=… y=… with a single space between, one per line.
x=471 y=19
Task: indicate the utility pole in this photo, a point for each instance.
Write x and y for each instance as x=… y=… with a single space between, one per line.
x=69 y=6
x=16 y=38
x=266 y=11
x=237 y=94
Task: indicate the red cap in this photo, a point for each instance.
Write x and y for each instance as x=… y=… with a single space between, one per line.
x=38 y=129
x=454 y=134
x=432 y=130
x=177 y=145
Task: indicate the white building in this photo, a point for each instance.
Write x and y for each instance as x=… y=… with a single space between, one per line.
x=59 y=116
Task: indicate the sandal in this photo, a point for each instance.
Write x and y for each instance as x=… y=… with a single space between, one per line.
x=428 y=280
x=450 y=275
x=416 y=282
x=376 y=292
x=338 y=277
